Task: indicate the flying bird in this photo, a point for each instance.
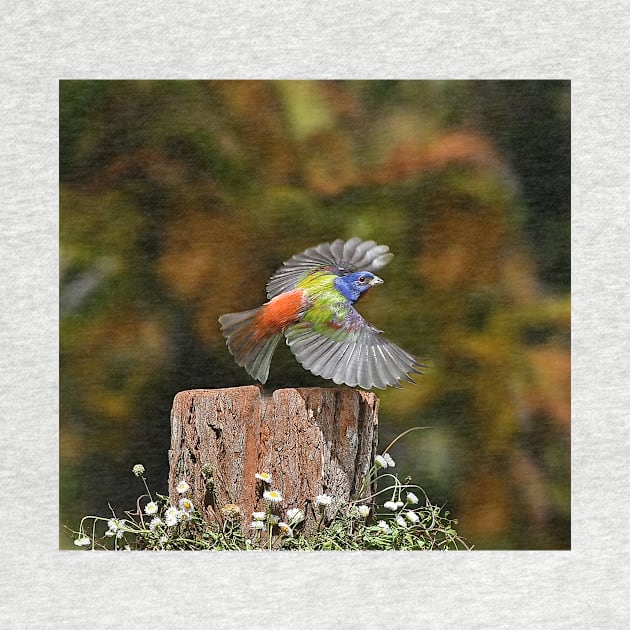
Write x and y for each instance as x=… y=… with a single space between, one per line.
x=311 y=303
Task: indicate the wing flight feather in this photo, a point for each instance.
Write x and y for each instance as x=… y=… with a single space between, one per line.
x=339 y=256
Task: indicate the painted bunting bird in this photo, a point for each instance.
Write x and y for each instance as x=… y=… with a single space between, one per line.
x=311 y=302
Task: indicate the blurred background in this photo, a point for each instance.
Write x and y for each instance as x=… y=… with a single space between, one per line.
x=178 y=200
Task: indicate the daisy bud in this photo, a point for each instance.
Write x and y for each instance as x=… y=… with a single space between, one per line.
x=390 y=462
x=364 y=511
x=380 y=462
x=172 y=516
x=231 y=511
x=323 y=500
x=412 y=499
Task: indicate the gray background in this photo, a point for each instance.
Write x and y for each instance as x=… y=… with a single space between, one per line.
x=43 y=42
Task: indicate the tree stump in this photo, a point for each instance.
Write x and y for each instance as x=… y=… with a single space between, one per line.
x=311 y=440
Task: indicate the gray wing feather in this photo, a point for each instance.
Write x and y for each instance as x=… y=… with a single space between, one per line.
x=339 y=256
x=363 y=356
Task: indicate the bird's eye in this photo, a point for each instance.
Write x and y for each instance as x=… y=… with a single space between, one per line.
x=361 y=280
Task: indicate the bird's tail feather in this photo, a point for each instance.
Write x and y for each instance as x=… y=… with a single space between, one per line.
x=250 y=349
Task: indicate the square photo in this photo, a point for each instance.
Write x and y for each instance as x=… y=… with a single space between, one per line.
x=315 y=315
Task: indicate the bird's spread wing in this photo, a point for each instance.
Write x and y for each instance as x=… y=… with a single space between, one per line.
x=351 y=351
x=339 y=257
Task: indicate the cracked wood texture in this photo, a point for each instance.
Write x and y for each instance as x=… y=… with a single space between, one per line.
x=312 y=441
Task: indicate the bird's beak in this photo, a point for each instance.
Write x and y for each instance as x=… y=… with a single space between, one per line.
x=375 y=280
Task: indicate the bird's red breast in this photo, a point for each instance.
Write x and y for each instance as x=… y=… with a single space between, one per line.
x=278 y=313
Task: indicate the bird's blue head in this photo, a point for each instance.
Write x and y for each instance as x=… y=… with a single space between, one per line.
x=354 y=285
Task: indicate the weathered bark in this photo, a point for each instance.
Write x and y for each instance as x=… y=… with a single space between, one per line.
x=312 y=441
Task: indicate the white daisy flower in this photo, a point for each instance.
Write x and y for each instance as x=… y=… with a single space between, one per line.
x=383 y=526
x=388 y=458
x=323 y=500
x=263 y=476
x=295 y=516
x=151 y=508
x=273 y=496
x=259 y=516
x=390 y=505
x=412 y=517
x=401 y=521
x=380 y=461
x=82 y=541
x=285 y=528
x=115 y=527
x=412 y=499
x=273 y=519
x=183 y=486
x=364 y=511
x=155 y=522
x=172 y=516
x=186 y=505
x=257 y=525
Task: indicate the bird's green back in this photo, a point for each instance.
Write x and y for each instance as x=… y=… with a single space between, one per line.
x=328 y=306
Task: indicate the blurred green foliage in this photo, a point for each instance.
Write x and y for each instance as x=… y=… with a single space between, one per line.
x=178 y=200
